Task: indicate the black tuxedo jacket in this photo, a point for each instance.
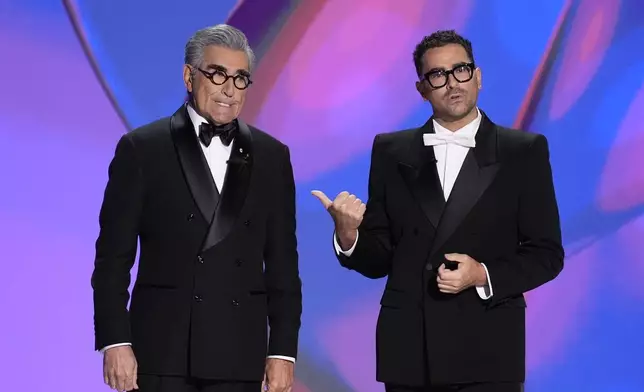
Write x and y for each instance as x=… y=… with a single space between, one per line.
x=502 y=212
x=212 y=268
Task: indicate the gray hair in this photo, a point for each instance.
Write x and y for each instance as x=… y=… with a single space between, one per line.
x=219 y=35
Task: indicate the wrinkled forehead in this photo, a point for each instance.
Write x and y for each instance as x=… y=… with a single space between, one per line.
x=229 y=60
x=444 y=58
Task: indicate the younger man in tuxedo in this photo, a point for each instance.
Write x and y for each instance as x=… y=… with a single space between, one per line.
x=462 y=219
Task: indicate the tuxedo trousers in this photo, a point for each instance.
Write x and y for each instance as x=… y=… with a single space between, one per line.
x=153 y=383
x=474 y=387
x=464 y=387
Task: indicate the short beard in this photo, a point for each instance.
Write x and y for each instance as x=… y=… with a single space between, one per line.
x=446 y=117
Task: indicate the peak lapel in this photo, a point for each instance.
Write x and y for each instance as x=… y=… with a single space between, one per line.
x=194 y=165
x=235 y=189
x=476 y=175
x=420 y=174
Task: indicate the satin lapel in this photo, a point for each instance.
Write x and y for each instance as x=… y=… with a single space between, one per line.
x=235 y=189
x=421 y=176
x=476 y=175
x=194 y=165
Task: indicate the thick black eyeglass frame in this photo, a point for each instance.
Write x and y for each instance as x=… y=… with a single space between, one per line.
x=244 y=78
x=470 y=66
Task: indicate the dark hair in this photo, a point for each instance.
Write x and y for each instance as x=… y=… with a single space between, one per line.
x=437 y=40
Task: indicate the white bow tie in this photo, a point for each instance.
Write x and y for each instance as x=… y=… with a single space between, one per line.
x=435 y=139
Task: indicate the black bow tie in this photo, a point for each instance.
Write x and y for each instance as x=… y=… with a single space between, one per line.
x=225 y=132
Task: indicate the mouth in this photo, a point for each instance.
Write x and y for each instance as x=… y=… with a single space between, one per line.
x=224 y=104
x=455 y=97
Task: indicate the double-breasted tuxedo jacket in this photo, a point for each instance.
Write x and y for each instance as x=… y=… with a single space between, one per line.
x=212 y=267
x=502 y=212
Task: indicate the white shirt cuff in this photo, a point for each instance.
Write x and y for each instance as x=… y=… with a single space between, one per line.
x=113 y=345
x=290 y=359
x=485 y=292
x=339 y=250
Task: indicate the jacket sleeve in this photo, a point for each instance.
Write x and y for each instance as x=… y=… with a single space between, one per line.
x=540 y=255
x=372 y=254
x=284 y=288
x=116 y=246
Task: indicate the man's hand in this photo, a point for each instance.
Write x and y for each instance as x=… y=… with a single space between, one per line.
x=347 y=212
x=119 y=368
x=278 y=376
x=469 y=273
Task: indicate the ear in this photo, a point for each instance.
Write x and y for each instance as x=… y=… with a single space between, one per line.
x=479 y=78
x=421 y=90
x=187 y=77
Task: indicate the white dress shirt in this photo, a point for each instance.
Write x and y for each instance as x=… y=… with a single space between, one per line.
x=449 y=159
x=217 y=155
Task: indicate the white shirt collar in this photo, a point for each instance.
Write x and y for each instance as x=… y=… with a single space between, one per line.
x=469 y=129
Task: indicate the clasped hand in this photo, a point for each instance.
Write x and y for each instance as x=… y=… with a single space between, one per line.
x=469 y=273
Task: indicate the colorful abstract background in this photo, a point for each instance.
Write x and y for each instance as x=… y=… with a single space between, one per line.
x=77 y=74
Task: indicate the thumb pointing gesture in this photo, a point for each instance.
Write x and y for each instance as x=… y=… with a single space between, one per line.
x=326 y=202
x=347 y=212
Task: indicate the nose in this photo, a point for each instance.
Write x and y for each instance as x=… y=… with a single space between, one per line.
x=228 y=88
x=451 y=81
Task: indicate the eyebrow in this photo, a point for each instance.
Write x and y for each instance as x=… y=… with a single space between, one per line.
x=456 y=65
x=218 y=67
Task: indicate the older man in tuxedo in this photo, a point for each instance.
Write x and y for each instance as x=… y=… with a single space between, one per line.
x=211 y=200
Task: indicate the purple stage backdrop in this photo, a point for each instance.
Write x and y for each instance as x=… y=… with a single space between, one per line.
x=76 y=74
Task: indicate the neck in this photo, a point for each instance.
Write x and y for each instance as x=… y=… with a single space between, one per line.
x=455 y=125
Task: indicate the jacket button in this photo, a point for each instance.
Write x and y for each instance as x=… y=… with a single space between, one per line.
x=191 y=217
x=238 y=262
x=428 y=266
x=235 y=302
x=247 y=223
x=198 y=298
x=200 y=259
